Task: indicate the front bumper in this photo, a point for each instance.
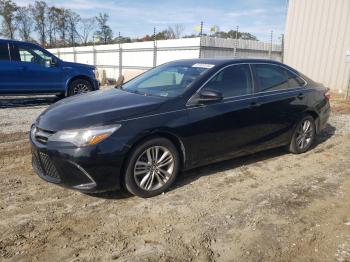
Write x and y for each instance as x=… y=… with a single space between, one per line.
x=90 y=169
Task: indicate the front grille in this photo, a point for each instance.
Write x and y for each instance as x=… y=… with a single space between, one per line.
x=44 y=166
x=48 y=166
x=36 y=162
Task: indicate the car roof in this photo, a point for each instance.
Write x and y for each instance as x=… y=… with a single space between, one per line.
x=225 y=61
x=15 y=42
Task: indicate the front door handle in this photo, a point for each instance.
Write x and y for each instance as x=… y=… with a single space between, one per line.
x=254 y=104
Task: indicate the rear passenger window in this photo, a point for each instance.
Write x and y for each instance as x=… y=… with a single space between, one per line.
x=294 y=80
x=4 y=52
x=232 y=81
x=271 y=77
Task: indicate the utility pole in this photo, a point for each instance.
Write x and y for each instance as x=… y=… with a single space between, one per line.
x=282 y=47
x=270 y=49
x=120 y=55
x=201 y=31
x=236 y=43
x=200 y=40
x=154 y=48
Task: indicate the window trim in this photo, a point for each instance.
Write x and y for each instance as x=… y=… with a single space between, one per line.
x=254 y=81
x=8 y=52
x=284 y=89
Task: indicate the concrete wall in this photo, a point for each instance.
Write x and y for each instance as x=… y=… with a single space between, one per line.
x=317 y=37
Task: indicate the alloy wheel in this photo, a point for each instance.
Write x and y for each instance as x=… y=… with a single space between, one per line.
x=80 y=89
x=304 y=134
x=153 y=168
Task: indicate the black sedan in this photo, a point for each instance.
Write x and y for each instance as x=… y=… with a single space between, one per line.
x=174 y=117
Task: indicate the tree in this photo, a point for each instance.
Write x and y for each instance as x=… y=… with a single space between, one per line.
x=72 y=22
x=8 y=11
x=39 y=12
x=85 y=27
x=52 y=25
x=233 y=34
x=177 y=30
x=24 y=23
x=104 y=33
x=62 y=26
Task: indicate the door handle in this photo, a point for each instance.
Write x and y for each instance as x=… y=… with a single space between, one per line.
x=21 y=68
x=254 y=104
x=300 y=96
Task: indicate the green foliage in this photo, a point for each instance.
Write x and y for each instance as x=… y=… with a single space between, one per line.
x=104 y=33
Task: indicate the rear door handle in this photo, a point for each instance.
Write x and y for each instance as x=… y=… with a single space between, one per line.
x=300 y=96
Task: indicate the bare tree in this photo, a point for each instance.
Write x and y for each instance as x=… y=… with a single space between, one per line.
x=39 y=12
x=86 y=26
x=105 y=33
x=62 y=25
x=8 y=11
x=72 y=22
x=52 y=25
x=174 y=32
x=24 y=23
x=178 y=30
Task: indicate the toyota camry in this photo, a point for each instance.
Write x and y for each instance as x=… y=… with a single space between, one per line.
x=177 y=116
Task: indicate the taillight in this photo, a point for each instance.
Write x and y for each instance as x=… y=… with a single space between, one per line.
x=327 y=93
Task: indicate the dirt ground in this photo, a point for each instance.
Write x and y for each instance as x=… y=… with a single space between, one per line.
x=272 y=206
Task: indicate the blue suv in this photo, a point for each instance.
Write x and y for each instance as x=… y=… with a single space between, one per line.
x=26 y=68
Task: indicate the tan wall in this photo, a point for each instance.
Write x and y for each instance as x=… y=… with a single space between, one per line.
x=316 y=40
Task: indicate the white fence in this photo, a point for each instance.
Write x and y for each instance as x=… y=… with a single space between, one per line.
x=131 y=59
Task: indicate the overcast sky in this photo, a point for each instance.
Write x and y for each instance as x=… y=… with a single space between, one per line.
x=136 y=18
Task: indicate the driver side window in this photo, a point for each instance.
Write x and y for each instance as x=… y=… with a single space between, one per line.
x=31 y=55
x=235 y=80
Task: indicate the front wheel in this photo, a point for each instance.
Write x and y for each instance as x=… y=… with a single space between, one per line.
x=304 y=135
x=152 y=167
x=79 y=86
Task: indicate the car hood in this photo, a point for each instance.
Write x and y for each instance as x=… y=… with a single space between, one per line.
x=71 y=64
x=97 y=108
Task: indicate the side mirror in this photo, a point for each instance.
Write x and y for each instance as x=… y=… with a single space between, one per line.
x=207 y=96
x=48 y=63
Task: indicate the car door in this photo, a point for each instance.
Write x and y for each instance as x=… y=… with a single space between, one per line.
x=227 y=127
x=8 y=71
x=36 y=72
x=281 y=100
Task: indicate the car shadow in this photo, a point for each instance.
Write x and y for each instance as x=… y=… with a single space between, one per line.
x=26 y=101
x=189 y=176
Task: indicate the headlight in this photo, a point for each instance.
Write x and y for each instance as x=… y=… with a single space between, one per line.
x=96 y=73
x=85 y=137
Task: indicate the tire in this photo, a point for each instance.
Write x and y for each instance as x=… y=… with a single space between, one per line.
x=148 y=180
x=79 y=86
x=303 y=138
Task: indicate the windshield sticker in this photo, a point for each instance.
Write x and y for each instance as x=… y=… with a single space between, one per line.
x=203 y=65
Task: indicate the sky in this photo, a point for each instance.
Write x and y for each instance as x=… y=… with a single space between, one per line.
x=135 y=18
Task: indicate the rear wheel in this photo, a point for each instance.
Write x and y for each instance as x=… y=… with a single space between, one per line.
x=79 y=86
x=152 y=167
x=304 y=135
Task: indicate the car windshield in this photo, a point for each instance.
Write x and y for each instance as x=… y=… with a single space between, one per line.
x=169 y=80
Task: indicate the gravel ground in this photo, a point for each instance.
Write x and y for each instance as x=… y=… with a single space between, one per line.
x=270 y=206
